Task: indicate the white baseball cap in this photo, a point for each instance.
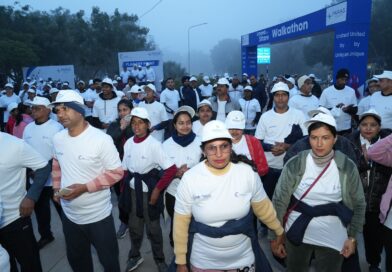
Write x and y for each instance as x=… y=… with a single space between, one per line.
x=291 y=80
x=320 y=109
x=204 y=102
x=245 y=74
x=302 y=79
x=53 y=90
x=235 y=120
x=280 y=87
x=206 y=79
x=215 y=130
x=192 y=79
x=187 y=109
x=31 y=91
x=312 y=75
x=107 y=81
x=140 y=112
x=11 y=106
x=40 y=101
x=150 y=86
x=223 y=81
x=65 y=96
x=248 y=88
x=135 y=89
x=386 y=74
x=370 y=112
x=9 y=85
x=323 y=118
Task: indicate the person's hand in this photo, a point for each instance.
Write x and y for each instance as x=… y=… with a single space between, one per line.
x=182 y=268
x=26 y=207
x=77 y=190
x=56 y=197
x=348 y=247
x=154 y=196
x=181 y=170
x=277 y=246
x=277 y=149
x=123 y=124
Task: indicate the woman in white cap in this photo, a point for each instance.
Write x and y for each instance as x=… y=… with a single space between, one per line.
x=183 y=148
x=143 y=158
x=214 y=208
x=244 y=144
x=320 y=201
x=204 y=112
x=374 y=177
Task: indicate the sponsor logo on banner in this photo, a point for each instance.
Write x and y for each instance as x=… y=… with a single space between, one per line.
x=336 y=14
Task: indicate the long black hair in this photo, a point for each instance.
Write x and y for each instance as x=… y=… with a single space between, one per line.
x=234 y=157
x=21 y=110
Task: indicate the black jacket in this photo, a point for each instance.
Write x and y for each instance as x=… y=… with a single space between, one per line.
x=374 y=186
x=119 y=136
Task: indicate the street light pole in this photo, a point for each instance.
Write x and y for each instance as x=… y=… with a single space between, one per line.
x=189 y=45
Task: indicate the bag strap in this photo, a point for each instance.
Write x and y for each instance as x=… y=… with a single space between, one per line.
x=285 y=217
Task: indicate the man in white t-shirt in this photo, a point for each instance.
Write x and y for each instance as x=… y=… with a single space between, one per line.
x=382 y=101
x=292 y=88
x=7 y=99
x=251 y=109
x=278 y=129
x=16 y=230
x=105 y=107
x=170 y=98
x=235 y=89
x=23 y=91
x=304 y=101
x=341 y=100
x=85 y=165
x=372 y=87
x=206 y=88
x=156 y=111
x=150 y=74
x=39 y=134
x=125 y=75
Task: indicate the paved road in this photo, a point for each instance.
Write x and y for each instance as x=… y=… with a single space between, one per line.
x=54 y=259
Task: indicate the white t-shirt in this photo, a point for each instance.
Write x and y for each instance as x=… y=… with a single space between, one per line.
x=197 y=128
x=124 y=76
x=189 y=155
x=275 y=127
x=171 y=98
x=364 y=105
x=293 y=92
x=82 y=159
x=383 y=105
x=326 y=231
x=249 y=109
x=221 y=114
x=150 y=74
x=157 y=114
x=304 y=104
x=241 y=148
x=213 y=200
x=106 y=110
x=206 y=90
x=331 y=97
x=15 y=156
x=40 y=137
x=87 y=97
x=5 y=101
x=143 y=157
x=236 y=93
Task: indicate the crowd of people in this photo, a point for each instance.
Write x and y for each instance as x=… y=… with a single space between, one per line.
x=227 y=159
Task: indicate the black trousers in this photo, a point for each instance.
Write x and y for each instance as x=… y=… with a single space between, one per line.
x=101 y=235
x=373 y=238
x=170 y=202
x=122 y=215
x=19 y=241
x=42 y=212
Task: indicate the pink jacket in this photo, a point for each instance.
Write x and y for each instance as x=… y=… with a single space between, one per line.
x=381 y=152
x=19 y=129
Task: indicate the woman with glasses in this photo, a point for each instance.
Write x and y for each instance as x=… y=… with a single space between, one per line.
x=319 y=200
x=214 y=208
x=374 y=177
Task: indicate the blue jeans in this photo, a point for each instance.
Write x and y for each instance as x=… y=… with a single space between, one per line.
x=79 y=238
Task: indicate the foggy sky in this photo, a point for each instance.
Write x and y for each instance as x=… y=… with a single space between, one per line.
x=169 y=20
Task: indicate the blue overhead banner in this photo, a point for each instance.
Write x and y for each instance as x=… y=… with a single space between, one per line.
x=349 y=20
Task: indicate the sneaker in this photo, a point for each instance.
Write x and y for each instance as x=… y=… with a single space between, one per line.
x=133 y=263
x=162 y=267
x=122 y=231
x=44 y=241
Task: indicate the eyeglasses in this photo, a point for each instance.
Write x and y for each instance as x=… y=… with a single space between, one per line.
x=213 y=149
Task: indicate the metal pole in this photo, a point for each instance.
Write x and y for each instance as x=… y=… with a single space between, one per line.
x=189 y=45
